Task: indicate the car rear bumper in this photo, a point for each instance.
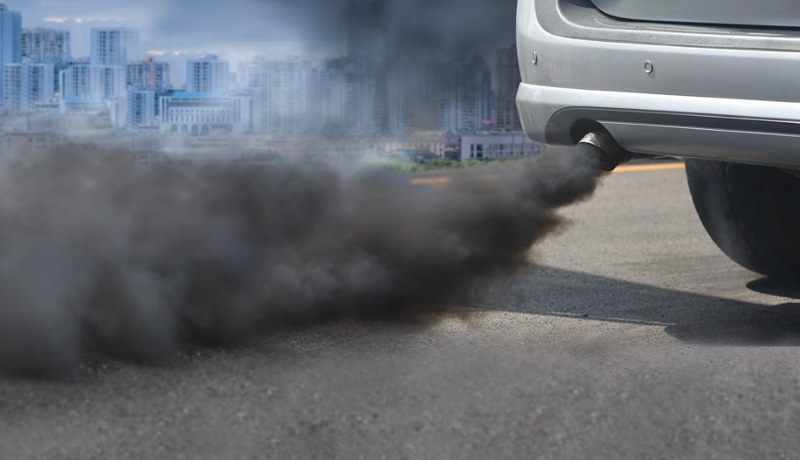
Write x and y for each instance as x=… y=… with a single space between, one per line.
x=707 y=97
x=783 y=13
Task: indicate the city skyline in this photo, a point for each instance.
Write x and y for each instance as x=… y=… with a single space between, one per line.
x=381 y=85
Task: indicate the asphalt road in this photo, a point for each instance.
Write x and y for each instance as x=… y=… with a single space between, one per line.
x=634 y=338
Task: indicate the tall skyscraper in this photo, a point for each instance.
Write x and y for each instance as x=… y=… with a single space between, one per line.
x=207 y=75
x=46 y=45
x=114 y=46
x=508 y=80
x=10 y=41
x=149 y=74
x=28 y=83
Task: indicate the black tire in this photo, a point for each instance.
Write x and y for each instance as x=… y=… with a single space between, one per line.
x=751 y=212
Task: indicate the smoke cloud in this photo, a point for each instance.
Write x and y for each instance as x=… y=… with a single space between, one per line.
x=98 y=254
x=430 y=27
x=402 y=26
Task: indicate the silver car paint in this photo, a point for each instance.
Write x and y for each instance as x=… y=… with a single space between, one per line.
x=782 y=13
x=582 y=19
x=707 y=81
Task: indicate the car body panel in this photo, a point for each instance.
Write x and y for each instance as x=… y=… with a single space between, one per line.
x=754 y=87
x=748 y=141
x=582 y=19
x=780 y=13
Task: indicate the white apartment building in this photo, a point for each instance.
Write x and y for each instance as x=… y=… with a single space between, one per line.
x=27 y=84
x=29 y=141
x=207 y=75
x=86 y=81
x=10 y=41
x=419 y=94
x=202 y=114
x=498 y=146
x=95 y=89
x=142 y=110
x=470 y=103
x=289 y=94
x=149 y=74
x=354 y=96
x=46 y=45
x=114 y=46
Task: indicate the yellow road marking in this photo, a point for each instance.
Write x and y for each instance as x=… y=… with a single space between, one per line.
x=649 y=167
x=430 y=181
x=441 y=181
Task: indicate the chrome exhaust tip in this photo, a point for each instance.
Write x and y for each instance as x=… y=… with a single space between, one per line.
x=605 y=148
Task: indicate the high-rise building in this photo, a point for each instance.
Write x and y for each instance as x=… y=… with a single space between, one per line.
x=74 y=81
x=92 y=82
x=149 y=74
x=471 y=96
x=142 y=109
x=487 y=99
x=28 y=83
x=95 y=89
x=288 y=93
x=354 y=96
x=207 y=75
x=420 y=95
x=10 y=41
x=114 y=46
x=49 y=46
x=46 y=45
x=508 y=80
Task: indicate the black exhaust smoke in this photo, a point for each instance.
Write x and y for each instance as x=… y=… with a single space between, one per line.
x=97 y=254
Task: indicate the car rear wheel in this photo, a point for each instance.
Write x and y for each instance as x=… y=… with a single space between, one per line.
x=751 y=212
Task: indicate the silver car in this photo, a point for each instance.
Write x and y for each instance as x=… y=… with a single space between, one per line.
x=714 y=81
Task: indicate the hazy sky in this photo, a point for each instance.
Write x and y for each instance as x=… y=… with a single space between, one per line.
x=315 y=29
x=229 y=27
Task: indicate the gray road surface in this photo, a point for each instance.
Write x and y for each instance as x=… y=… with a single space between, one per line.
x=635 y=338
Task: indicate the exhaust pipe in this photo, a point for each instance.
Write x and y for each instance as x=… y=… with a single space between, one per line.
x=603 y=146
